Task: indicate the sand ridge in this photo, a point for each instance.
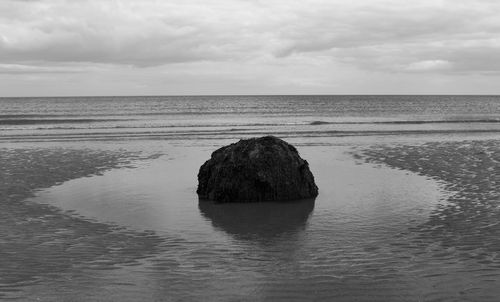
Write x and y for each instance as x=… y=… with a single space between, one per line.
x=469 y=220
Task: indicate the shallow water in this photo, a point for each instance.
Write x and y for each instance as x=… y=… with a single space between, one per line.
x=342 y=246
x=139 y=232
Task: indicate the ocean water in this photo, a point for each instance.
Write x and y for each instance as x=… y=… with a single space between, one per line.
x=219 y=117
x=139 y=232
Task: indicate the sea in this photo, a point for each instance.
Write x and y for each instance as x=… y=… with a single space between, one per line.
x=216 y=117
x=137 y=232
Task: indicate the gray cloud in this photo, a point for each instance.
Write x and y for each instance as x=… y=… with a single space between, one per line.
x=62 y=68
x=126 y=32
x=403 y=36
x=382 y=35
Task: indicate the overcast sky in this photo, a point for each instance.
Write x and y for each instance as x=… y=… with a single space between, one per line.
x=171 y=47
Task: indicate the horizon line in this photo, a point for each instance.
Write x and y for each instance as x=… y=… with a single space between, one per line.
x=240 y=95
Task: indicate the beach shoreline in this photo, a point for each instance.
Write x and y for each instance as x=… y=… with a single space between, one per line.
x=41 y=240
x=425 y=242
x=468 y=172
x=462 y=235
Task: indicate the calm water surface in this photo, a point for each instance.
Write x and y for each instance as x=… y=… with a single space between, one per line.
x=340 y=245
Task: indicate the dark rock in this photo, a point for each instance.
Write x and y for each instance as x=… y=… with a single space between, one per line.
x=256 y=169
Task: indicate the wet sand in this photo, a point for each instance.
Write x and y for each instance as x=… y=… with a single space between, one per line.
x=373 y=234
x=41 y=241
x=469 y=171
x=462 y=236
x=337 y=247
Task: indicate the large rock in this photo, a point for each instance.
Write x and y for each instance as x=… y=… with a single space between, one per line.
x=256 y=169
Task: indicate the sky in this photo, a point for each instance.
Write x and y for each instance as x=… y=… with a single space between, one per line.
x=193 y=47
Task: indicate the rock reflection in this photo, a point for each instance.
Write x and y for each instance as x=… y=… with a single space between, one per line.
x=261 y=222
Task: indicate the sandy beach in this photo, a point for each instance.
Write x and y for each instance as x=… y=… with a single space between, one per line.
x=461 y=236
x=468 y=170
x=411 y=215
x=41 y=241
x=104 y=216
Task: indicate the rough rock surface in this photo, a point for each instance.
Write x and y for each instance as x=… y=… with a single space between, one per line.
x=256 y=169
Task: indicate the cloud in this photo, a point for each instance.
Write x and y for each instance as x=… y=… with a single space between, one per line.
x=49 y=68
x=429 y=65
x=141 y=33
x=427 y=36
x=394 y=36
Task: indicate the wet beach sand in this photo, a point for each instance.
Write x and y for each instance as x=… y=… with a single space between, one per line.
x=462 y=235
x=400 y=221
x=41 y=241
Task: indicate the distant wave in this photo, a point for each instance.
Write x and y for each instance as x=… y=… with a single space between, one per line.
x=162 y=126
x=320 y=123
x=48 y=122
x=195 y=112
x=315 y=123
x=24 y=121
x=218 y=134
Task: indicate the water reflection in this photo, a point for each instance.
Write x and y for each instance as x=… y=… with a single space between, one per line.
x=262 y=222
